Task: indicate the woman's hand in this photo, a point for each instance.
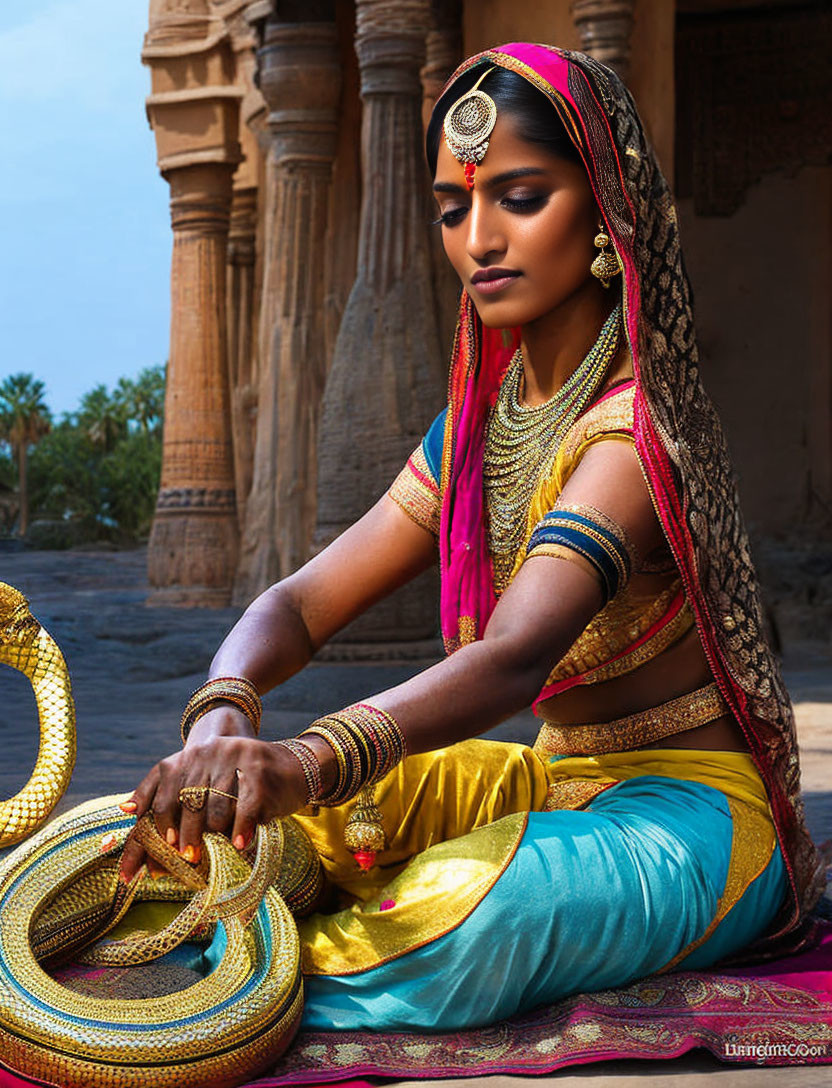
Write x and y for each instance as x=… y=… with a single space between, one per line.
x=223 y=752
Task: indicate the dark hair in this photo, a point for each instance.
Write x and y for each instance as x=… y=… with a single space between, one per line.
x=536 y=116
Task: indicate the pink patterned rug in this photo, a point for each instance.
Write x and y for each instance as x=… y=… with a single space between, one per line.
x=779 y=1013
x=774 y=1014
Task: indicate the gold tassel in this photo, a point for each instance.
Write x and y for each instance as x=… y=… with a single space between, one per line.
x=364 y=832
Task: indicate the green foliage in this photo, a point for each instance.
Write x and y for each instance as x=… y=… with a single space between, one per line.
x=7 y=478
x=24 y=417
x=95 y=474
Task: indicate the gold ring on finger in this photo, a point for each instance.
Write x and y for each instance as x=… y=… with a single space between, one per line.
x=222 y=793
x=193 y=797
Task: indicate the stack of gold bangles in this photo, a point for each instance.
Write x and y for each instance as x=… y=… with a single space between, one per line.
x=366 y=741
x=237 y=690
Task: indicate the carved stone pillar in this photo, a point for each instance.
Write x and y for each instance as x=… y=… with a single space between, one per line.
x=242 y=270
x=443 y=53
x=300 y=78
x=241 y=339
x=194 y=111
x=386 y=381
x=605 y=27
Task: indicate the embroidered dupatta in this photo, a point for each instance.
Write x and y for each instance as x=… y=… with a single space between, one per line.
x=678 y=439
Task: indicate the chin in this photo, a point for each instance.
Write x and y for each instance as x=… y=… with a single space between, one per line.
x=499 y=315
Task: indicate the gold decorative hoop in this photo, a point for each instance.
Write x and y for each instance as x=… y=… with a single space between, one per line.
x=28 y=648
x=58 y=892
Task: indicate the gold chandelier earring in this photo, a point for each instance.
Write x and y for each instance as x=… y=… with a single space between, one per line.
x=606 y=263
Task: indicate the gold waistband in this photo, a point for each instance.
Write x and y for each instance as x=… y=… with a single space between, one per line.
x=696 y=708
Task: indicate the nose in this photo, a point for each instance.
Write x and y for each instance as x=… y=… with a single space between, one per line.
x=486 y=240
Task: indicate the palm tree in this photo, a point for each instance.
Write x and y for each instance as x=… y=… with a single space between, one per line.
x=102 y=418
x=24 y=418
x=144 y=398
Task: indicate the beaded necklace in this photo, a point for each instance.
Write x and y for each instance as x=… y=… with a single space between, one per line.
x=522 y=441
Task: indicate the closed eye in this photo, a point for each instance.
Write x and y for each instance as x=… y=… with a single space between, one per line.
x=453 y=216
x=523 y=204
x=450 y=217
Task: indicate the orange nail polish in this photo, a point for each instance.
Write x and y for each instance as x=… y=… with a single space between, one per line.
x=171 y=837
x=108 y=841
x=240 y=842
x=189 y=853
x=128 y=806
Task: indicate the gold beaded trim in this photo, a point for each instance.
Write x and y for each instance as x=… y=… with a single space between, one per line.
x=688 y=711
x=661 y=641
x=573 y=793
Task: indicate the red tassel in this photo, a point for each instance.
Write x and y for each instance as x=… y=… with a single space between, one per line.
x=366 y=859
x=470 y=169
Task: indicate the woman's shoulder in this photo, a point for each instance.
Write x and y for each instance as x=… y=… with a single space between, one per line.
x=611 y=414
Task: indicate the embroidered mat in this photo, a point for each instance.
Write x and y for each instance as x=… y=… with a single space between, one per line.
x=779 y=1013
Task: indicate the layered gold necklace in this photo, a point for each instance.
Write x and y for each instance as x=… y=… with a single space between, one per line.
x=522 y=441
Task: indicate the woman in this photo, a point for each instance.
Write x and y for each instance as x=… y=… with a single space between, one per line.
x=593 y=564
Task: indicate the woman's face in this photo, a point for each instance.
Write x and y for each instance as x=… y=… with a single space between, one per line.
x=530 y=214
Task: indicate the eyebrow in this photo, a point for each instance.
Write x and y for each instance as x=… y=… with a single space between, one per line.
x=492 y=183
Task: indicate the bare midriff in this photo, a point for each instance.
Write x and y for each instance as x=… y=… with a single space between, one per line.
x=680 y=669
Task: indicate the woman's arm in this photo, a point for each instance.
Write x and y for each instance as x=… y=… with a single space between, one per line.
x=546 y=607
x=274 y=638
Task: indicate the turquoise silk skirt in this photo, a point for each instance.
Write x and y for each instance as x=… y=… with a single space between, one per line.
x=487 y=905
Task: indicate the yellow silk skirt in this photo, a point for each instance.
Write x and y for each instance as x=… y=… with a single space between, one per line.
x=454 y=819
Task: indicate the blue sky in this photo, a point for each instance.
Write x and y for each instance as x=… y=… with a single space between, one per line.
x=84 y=279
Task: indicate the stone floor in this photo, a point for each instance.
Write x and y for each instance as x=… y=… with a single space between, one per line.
x=133 y=666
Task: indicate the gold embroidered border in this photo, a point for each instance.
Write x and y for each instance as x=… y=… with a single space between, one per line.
x=416 y=493
x=617 y=626
x=573 y=793
x=751 y=850
x=435 y=893
x=467 y=627
x=663 y=638
x=696 y=708
x=614 y=414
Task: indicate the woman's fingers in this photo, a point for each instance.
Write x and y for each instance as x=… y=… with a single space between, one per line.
x=234 y=784
x=141 y=799
x=247 y=811
x=221 y=802
x=133 y=856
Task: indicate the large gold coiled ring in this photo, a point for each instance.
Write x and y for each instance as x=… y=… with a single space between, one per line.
x=60 y=899
x=27 y=647
x=193 y=798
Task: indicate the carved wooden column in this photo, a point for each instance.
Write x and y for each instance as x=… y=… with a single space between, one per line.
x=300 y=78
x=193 y=109
x=605 y=27
x=386 y=381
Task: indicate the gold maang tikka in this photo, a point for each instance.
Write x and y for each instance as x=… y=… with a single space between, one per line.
x=468 y=125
